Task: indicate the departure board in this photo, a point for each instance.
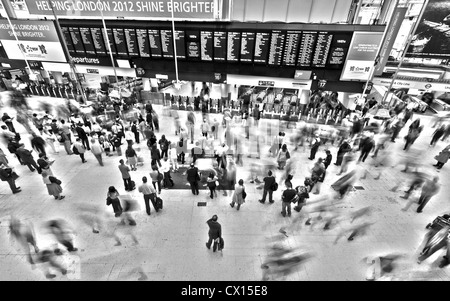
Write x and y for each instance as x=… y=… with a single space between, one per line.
x=87 y=40
x=119 y=40
x=261 y=47
x=322 y=49
x=339 y=50
x=291 y=47
x=68 y=39
x=167 y=43
x=247 y=46
x=193 y=44
x=132 y=45
x=155 y=43
x=180 y=44
x=220 y=45
x=143 y=44
x=276 y=47
x=111 y=40
x=206 y=43
x=97 y=40
x=234 y=45
x=76 y=40
x=306 y=52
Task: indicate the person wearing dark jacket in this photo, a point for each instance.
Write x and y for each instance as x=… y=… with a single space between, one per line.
x=83 y=136
x=344 y=148
x=437 y=135
x=289 y=196
x=328 y=159
x=156 y=156
x=8 y=121
x=38 y=143
x=27 y=158
x=164 y=146
x=13 y=145
x=269 y=181
x=215 y=232
x=366 y=148
x=135 y=131
x=193 y=178
x=8 y=175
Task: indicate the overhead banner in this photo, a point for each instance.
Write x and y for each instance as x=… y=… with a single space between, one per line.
x=186 y=9
x=432 y=36
x=361 y=55
x=409 y=84
x=38 y=41
x=392 y=31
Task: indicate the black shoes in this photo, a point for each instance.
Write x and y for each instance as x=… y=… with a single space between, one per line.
x=209 y=247
x=261 y=201
x=17 y=191
x=271 y=202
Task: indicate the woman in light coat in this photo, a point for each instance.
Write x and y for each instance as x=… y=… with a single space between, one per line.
x=238 y=196
x=443 y=157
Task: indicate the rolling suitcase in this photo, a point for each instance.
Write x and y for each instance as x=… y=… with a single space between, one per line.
x=159 y=203
x=133 y=185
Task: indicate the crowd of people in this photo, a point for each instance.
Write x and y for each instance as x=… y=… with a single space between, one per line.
x=223 y=143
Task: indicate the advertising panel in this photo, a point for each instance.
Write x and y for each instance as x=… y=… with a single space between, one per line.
x=432 y=37
x=186 y=9
x=361 y=55
x=38 y=41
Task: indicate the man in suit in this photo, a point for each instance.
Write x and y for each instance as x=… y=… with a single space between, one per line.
x=193 y=178
x=215 y=231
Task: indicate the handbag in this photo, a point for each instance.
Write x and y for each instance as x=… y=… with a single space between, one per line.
x=160 y=176
x=244 y=194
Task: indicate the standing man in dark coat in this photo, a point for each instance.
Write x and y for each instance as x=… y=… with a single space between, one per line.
x=366 y=148
x=314 y=147
x=27 y=158
x=193 y=177
x=268 y=187
x=215 y=232
x=83 y=136
x=328 y=159
x=38 y=143
x=344 y=148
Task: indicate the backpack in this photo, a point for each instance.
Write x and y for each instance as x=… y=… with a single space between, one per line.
x=213 y=128
x=274 y=186
x=75 y=150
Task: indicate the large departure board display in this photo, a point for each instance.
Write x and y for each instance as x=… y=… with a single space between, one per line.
x=291 y=47
x=276 y=47
x=220 y=46
x=167 y=43
x=193 y=44
x=98 y=42
x=206 y=43
x=86 y=37
x=247 y=46
x=155 y=43
x=307 y=46
x=76 y=40
x=261 y=47
x=322 y=49
x=68 y=39
x=234 y=46
x=143 y=43
x=180 y=44
x=132 y=45
x=119 y=40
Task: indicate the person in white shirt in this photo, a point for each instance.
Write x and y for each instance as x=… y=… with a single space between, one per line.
x=173 y=158
x=149 y=193
x=165 y=169
x=50 y=139
x=205 y=128
x=97 y=150
x=97 y=128
x=129 y=136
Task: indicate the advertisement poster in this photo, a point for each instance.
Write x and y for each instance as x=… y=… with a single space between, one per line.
x=188 y=9
x=432 y=37
x=38 y=41
x=361 y=55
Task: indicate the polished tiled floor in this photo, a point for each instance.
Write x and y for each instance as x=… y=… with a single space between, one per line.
x=172 y=242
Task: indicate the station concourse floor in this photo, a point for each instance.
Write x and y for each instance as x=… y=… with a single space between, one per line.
x=172 y=241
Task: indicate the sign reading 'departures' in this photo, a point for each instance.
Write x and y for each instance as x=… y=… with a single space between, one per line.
x=190 y=9
x=38 y=41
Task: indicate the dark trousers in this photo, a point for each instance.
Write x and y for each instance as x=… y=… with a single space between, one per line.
x=127 y=183
x=212 y=191
x=136 y=137
x=210 y=240
x=167 y=180
x=286 y=206
x=82 y=157
x=313 y=153
x=181 y=157
x=154 y=161
x=152 y=198
x=41 y=149
x=164 y=153
x=85 y=142
x=364 y=155
x=270 y=191
x=32 y=164
x=423 y=200
x=12 y=185
x=194 y=187
x=417 y=182
x=159 y=185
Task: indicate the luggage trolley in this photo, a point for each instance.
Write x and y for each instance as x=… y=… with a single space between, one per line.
x=439 y=222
